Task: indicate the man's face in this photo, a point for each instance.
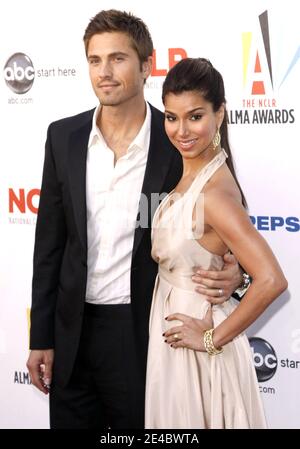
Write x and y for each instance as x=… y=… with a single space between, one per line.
x=114 y=68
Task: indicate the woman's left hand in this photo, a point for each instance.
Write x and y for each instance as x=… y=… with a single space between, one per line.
x=190 y=333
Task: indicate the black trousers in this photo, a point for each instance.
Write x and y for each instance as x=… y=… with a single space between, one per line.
x=107 y=387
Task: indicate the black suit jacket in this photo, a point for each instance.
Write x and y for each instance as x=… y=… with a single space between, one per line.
x=60 y=254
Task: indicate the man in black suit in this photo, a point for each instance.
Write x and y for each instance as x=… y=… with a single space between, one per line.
x=93 y=272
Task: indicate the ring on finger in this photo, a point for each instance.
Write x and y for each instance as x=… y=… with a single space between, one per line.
x=176 y=336
x=220 y=292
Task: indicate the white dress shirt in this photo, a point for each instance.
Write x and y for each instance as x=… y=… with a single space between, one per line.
x=112 y=197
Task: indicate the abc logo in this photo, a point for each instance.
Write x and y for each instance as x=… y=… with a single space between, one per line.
x=19 y=73
x=264 y=357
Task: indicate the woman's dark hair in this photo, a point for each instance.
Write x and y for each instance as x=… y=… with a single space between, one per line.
x=198 y=74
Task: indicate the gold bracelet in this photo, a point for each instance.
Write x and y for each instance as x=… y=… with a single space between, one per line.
x=209 y=344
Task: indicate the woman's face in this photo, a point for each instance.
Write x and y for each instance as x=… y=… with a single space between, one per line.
x=191 y=123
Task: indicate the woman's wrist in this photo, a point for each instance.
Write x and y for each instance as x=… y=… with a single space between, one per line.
x=209 y=344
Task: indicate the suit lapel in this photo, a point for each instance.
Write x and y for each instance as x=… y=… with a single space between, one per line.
x=77 y=155
x=159 y=160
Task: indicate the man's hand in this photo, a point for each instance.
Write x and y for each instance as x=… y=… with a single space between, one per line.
x=39 y=364
x=218 y=286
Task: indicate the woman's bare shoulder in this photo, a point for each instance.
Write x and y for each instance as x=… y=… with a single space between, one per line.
x=222 y=186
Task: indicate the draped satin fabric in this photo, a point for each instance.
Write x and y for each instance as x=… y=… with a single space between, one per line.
x=186 y=388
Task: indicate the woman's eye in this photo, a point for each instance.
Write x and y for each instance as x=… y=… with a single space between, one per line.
x=196 y=117
x=170 y=118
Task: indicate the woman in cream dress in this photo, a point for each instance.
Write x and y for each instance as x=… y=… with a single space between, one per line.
x=200 y=371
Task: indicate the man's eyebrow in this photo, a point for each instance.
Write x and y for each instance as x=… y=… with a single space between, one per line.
x=115 y=53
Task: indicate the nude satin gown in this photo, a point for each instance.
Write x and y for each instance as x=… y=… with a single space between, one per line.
x=185 y=388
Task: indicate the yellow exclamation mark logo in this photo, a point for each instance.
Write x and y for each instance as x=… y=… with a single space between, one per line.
x=246 y=43
x=28 y=322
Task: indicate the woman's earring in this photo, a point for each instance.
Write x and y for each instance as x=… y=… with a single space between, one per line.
x=216 y=140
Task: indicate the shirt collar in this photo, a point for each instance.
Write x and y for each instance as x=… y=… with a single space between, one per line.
x=141 y=140
x=95 y=133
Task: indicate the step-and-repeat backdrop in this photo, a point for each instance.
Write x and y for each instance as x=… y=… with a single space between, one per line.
x=44 y=77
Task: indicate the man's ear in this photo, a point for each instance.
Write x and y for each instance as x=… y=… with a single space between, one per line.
x=147 y=67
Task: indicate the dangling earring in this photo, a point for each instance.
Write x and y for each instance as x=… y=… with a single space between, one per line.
x=216 y=140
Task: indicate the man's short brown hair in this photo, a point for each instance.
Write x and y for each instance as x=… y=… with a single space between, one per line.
x=113 y=20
